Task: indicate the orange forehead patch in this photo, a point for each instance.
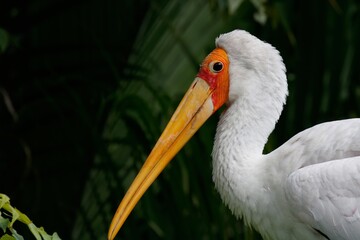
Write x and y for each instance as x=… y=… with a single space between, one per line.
x=218 y=80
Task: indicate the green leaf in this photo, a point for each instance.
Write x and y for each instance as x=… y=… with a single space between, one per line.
x=7 y=237
x=5 y=203
x=234 y=5
x=16 y=235
x=3 y=198
x=44 y=234
x=4 y=223
x=55 y=236
x=34 y=230
x=40 y=234
x=15 y=215
x=4 y=40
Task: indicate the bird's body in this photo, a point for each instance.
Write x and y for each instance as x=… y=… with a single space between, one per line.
x=308 y=188
x=310 y=184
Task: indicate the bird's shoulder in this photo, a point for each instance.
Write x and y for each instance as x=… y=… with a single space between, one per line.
x=322 y=183
x=321 y=143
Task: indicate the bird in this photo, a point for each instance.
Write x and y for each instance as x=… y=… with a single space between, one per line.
x=307 y=188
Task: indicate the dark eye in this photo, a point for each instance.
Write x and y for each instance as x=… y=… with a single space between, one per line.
x=216 y=66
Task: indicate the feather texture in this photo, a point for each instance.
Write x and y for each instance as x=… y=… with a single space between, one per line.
x=308 y=188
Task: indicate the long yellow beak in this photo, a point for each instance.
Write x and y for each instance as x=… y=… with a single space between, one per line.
x=194 y=109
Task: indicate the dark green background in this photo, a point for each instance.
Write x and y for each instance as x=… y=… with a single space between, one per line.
x=87 y=87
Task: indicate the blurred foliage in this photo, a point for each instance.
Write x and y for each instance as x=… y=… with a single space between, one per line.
x=9 y=215
x=4 y=40
x=88 y=86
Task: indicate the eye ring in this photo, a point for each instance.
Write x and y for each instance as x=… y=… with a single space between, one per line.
x=216 y=66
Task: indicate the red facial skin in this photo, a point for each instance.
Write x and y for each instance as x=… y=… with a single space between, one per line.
x=217 y=80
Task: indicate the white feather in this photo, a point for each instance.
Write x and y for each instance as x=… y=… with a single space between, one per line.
x=309 y=184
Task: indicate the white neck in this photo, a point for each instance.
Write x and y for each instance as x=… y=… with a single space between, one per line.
x=242 y=132
x=257 y=93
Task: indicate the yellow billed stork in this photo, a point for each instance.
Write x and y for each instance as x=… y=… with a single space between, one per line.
x=308 y=188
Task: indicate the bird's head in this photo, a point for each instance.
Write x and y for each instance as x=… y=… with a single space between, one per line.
x=223 y=77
